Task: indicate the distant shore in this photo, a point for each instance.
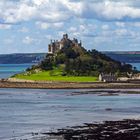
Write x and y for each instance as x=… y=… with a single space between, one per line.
x=15 y=83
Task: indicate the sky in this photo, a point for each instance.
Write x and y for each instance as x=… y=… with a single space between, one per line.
x=27 y=26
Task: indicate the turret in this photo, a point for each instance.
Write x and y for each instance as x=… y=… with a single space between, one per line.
x=65 y=36
x=57 y=45
x=80 y=43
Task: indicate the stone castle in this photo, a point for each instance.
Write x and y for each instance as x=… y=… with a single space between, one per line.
x=56 y=45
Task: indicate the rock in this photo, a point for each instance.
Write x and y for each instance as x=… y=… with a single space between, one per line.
x=109 y=130
x=108 y=109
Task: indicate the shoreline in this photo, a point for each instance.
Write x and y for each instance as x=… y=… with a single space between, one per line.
x=16 y=83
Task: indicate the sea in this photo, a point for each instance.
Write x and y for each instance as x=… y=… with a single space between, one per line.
x=7 y=70
x=26 y=112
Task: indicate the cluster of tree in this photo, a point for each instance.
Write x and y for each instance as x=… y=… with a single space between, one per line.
x=80 y=62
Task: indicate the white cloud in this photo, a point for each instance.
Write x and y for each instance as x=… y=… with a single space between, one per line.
x=120 y=24
x=28 y=40
x=126 y=33
x=76 y=34
x=49 y=37
x=136 y=24
x=105 y=27
x=60 y=33
x=46 y=25
x=62 y=10
x=110 y=11
x=5 y=26
x=82 y=28
x=85 y=19
x=24 y=30
x=121 y=32
x=42 y=25
x=14 y=13
x=58 y=24
x=72 y=29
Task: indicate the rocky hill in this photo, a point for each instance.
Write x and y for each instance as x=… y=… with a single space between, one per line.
x=73 y=59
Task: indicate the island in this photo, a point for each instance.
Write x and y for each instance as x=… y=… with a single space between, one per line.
x=69 y=65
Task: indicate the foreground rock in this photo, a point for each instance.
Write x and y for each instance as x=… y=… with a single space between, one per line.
x=109 y=130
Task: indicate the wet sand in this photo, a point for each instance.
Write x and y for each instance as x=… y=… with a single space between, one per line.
x=66 y=85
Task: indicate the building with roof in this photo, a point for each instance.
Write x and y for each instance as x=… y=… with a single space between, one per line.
x=107 y=77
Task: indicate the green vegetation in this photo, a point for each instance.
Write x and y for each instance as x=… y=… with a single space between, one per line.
x=77 y=61
x=47 y=76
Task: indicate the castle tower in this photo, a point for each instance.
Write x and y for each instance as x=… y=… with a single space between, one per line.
x=50 y=49
x=65 y=36
x=56 y=45
x=80 y=43
x=61 y=45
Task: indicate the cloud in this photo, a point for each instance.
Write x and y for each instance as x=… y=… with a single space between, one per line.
x=13 y=12
x=102 y=21
x=136 y=24
x=24 y=30
x=72 y=29
x=105 y=27
x=28 y=40
x=46 y=25
x=49 y=37
x=42 y=25
x=120 y=24
x=58 y=24
x=25 y=10
x=121 y=32
x=5 y=26
x=63 y=10
x=83 y=30
x=110 y=11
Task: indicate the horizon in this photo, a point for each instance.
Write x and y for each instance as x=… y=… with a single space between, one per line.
x=132 y=52
x=27 y=26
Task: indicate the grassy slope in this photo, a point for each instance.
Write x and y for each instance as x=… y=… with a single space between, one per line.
x=55 y=76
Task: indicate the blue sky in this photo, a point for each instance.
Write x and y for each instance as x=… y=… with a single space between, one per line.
x=106 y=25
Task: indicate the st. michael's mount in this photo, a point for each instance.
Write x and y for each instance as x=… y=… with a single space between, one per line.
x=69 y=56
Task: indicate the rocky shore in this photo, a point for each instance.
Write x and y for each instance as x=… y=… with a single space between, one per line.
x=109 y=130
x=16 y=83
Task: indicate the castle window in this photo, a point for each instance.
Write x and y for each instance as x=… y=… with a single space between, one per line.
x=50 y=48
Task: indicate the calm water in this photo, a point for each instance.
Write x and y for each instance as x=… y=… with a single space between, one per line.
x=7 y=70
x=25 y=111
x=137 y=65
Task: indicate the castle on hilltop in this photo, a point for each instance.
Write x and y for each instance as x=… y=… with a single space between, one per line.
x=56 y=45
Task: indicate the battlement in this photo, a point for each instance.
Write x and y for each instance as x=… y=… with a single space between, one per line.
x=56 y=45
